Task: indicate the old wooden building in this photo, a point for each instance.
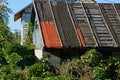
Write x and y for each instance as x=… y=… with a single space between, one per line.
x=65 y=30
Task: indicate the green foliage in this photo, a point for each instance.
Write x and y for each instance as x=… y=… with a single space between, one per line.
x=72 y=67
x=99 y=73
x=24 y=56
x=25 y=67
x=41 y=69
x=118 y=71
x=19 y=49
x=28 y=42
x=11 y=53
x=3 y=61
x=13 y=58
x=30 y=30
x=113 y=67
x=17 y=36
x=5 y=35
x=53 y=78
x=36 y=78
x=75 y=70
x=27 y=60
x=4 y=10
x=9 y=72
x=91 y=57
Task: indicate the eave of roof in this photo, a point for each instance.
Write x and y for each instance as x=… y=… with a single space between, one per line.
x=19 y=13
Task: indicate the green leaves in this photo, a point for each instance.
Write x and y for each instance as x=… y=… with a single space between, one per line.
x=53 y=78
x=91 y=57
x=99 y=73
x=85 y=68
x=13 y=58
x=4 y=11
x=41 y=70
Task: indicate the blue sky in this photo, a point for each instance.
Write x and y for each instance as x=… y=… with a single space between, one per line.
x=108 y=1
x=17 y=5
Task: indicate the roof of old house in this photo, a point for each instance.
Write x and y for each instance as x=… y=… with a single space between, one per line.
x=79 y=24
x=72 y=25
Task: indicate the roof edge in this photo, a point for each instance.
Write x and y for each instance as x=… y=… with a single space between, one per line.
x=19 y=13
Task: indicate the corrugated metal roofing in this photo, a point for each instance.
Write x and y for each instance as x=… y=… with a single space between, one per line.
x=50 y=35
x=79 y=24
x=112 y=19
x=49 y=32
x=98 y=25
x=65 y=26
x=82 y=24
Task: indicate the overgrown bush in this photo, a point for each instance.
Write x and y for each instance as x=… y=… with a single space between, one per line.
x=76 y=70
x=41 y=69
x=90 y=66
x=113 y=67
x=3 y=61
x=91 y=57
x=27 y=60
x=19 y=49
x=13 y=58
x=54 y=78
x=118 y=71
x=10 y=72
x=99 y=73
